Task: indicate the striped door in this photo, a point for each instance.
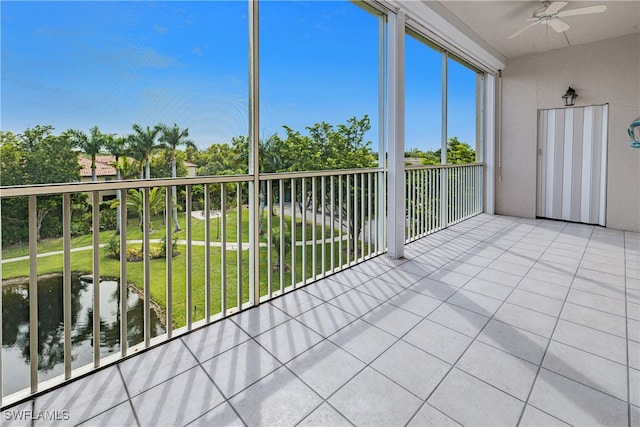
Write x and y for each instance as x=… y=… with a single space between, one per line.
x=572 y=164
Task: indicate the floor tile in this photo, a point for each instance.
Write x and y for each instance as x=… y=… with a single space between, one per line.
x=121 y=415
x=326 y=289
x=543 y=288
x=400 y=277
x=150 y=368
x=515 y=341
x=459 y=319
x=362 y=340
x=488 y=288
x=430 y=416
x=260 y=319
x=214 y=339
x=85 y=397
x=370 y=399
x=634 y=387
x=392 y=319
x=465 y=268
x=288 y=340
x=600 y=343
x=526 y=319
x=502 y=370
x=473 y=402
x=499 y=277
x=325 y=367
x=433 y=288
x=279 y=399
x=295 y=303
x=351 y=278
x=380 y=289
x=411 y=368
x=599 y=302
x=240 y=367
x=596 y=319
x=325 y=416
x=536 y=302
x=177 y=401
x=326 y=319
x=575 y=403
x=450 y=277
x=355 y=302
x=554 y=277
x=509 y=267
x=634 y=354
x=415 y=302
x=534 y=417
x=438 y=340
x=475 y=302
x=417 y=268
x=586 y=368
x=221 y=415
x=598 y=288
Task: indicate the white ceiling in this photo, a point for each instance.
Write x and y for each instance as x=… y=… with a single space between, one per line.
x=494 y=21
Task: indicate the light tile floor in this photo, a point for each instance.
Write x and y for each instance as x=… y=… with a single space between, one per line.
x=496 y=321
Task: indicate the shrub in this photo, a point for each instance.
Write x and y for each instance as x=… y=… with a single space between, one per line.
x=112 y=248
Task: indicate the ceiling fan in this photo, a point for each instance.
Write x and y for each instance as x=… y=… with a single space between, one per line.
x=550 y=14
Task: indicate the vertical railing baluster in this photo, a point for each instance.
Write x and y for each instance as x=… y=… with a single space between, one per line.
x=66 y=281
x=314 y=223
x=355 y=218
x=362 y=216
x=282 y=234
x=348 y=219
x=340 y=200
x=188 y=260
x=239 y=243
x=294 y=245
x=124 y=340
x=303 y=194
x=33 y=292
x=323 y=234
x=369 y=213
x=207 y=253
x=95 y=224
x=332 y=227
x=269 y=239
x=223 y=249
x=146 y=224
x=168 y=230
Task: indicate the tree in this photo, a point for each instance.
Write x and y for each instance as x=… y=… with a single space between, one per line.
x=172 y=138
x=35 y=157
x=142 y=145
x=89 y=144
x=457 y=153
x=117 y=147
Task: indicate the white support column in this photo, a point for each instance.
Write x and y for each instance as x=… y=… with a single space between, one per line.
x=395 y=136
x=382 y=132
x=489 y=153
x=254 y=149
x=444 y=190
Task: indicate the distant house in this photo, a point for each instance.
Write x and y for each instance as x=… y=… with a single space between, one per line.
x=106 y=171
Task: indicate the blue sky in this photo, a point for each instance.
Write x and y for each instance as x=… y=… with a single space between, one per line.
x=112 y=64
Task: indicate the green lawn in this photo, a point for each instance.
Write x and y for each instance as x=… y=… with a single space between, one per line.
x=81 y=262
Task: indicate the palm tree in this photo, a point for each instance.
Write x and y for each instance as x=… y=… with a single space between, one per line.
x=118 y=148
x=171 y=138
x=89 y=145
x=143 y=144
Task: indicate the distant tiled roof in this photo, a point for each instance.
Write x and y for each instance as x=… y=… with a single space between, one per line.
x=102 y=166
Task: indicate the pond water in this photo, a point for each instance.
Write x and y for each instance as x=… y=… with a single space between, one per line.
x=15 y=327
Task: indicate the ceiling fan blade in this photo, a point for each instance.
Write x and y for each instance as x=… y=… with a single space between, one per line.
x=522 y=30
x=555 y=7
x=583 y=11
x=558 y=25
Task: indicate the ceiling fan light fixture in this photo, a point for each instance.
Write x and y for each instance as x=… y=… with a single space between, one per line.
x=570 y=97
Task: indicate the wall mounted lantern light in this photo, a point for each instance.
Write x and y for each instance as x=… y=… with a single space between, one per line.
x=570 y=97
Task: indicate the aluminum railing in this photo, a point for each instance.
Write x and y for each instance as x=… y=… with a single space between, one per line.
x=311 y=224
x=441 y=195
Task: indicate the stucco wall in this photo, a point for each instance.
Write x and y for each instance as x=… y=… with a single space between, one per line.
x=607 y=71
